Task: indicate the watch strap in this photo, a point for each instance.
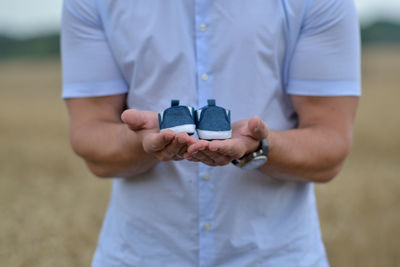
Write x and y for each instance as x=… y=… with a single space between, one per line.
x=265 y=146
x=262 y=151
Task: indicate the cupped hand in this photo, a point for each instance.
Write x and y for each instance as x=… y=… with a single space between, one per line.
x=165 y=145
x=246 y=137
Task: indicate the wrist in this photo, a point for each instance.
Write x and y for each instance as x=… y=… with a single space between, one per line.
x=256 y=158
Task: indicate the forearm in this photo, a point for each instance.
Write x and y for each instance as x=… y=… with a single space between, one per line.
x=313 y=154
x=111 y=149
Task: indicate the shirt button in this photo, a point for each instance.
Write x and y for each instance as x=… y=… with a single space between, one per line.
x=207 y=226
x=204 y=77
x=203 y=27
x=206 y=177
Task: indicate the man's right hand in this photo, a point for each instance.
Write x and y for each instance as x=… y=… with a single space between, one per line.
x=165 y=145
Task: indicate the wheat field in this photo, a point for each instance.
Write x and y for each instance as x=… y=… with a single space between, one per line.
x=51 y=207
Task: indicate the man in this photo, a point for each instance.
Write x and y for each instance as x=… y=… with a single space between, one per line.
x=289 y=72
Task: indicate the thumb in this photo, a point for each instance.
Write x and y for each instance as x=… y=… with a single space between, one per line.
x=258 y=128
x=134 y=119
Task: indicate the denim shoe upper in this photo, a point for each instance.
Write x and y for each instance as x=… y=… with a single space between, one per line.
x=176 y=115
x=213 y=118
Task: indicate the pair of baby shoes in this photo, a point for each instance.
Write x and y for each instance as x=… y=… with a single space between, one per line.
x=211 y=122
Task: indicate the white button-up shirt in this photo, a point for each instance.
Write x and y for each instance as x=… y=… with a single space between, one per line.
x=249 y=56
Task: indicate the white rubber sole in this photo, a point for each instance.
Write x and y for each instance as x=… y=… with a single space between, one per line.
x=185 y=128
x=213 y=135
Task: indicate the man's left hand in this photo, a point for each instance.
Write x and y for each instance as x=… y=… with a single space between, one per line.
x=246 y=137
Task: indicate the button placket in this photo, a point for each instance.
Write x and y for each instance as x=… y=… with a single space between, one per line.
x=204 y=91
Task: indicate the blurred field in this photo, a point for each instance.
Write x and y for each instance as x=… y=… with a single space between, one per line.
x=51 y=207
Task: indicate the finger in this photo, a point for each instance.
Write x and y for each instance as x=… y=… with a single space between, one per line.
x=188 y=157
x=200 y=156
x=194 y=148
x=230 y=148
x=154 y=142
x=184 y=138
x=216 y=144
x=258 y=128
x=199 y=145
x=178 y=146
x=133 y=118
x=183 y=150
x=178 y=158
x=218 y=158
x=172 y=149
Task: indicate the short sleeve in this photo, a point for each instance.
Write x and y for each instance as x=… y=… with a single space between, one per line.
x=326 y=59
x=88 y=66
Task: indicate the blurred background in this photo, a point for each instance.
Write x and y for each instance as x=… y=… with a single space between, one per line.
x=51 y=207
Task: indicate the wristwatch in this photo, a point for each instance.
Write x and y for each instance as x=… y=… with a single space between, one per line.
x=255 y=159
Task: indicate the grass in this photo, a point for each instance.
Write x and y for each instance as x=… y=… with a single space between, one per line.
x=51 y=207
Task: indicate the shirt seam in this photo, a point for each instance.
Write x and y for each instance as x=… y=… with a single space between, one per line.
x=74 y=13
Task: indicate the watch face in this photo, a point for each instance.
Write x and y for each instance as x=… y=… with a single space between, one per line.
x=255 y=163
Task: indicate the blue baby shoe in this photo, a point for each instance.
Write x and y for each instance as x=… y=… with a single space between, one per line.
x=177 y=118
x=213 y=122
